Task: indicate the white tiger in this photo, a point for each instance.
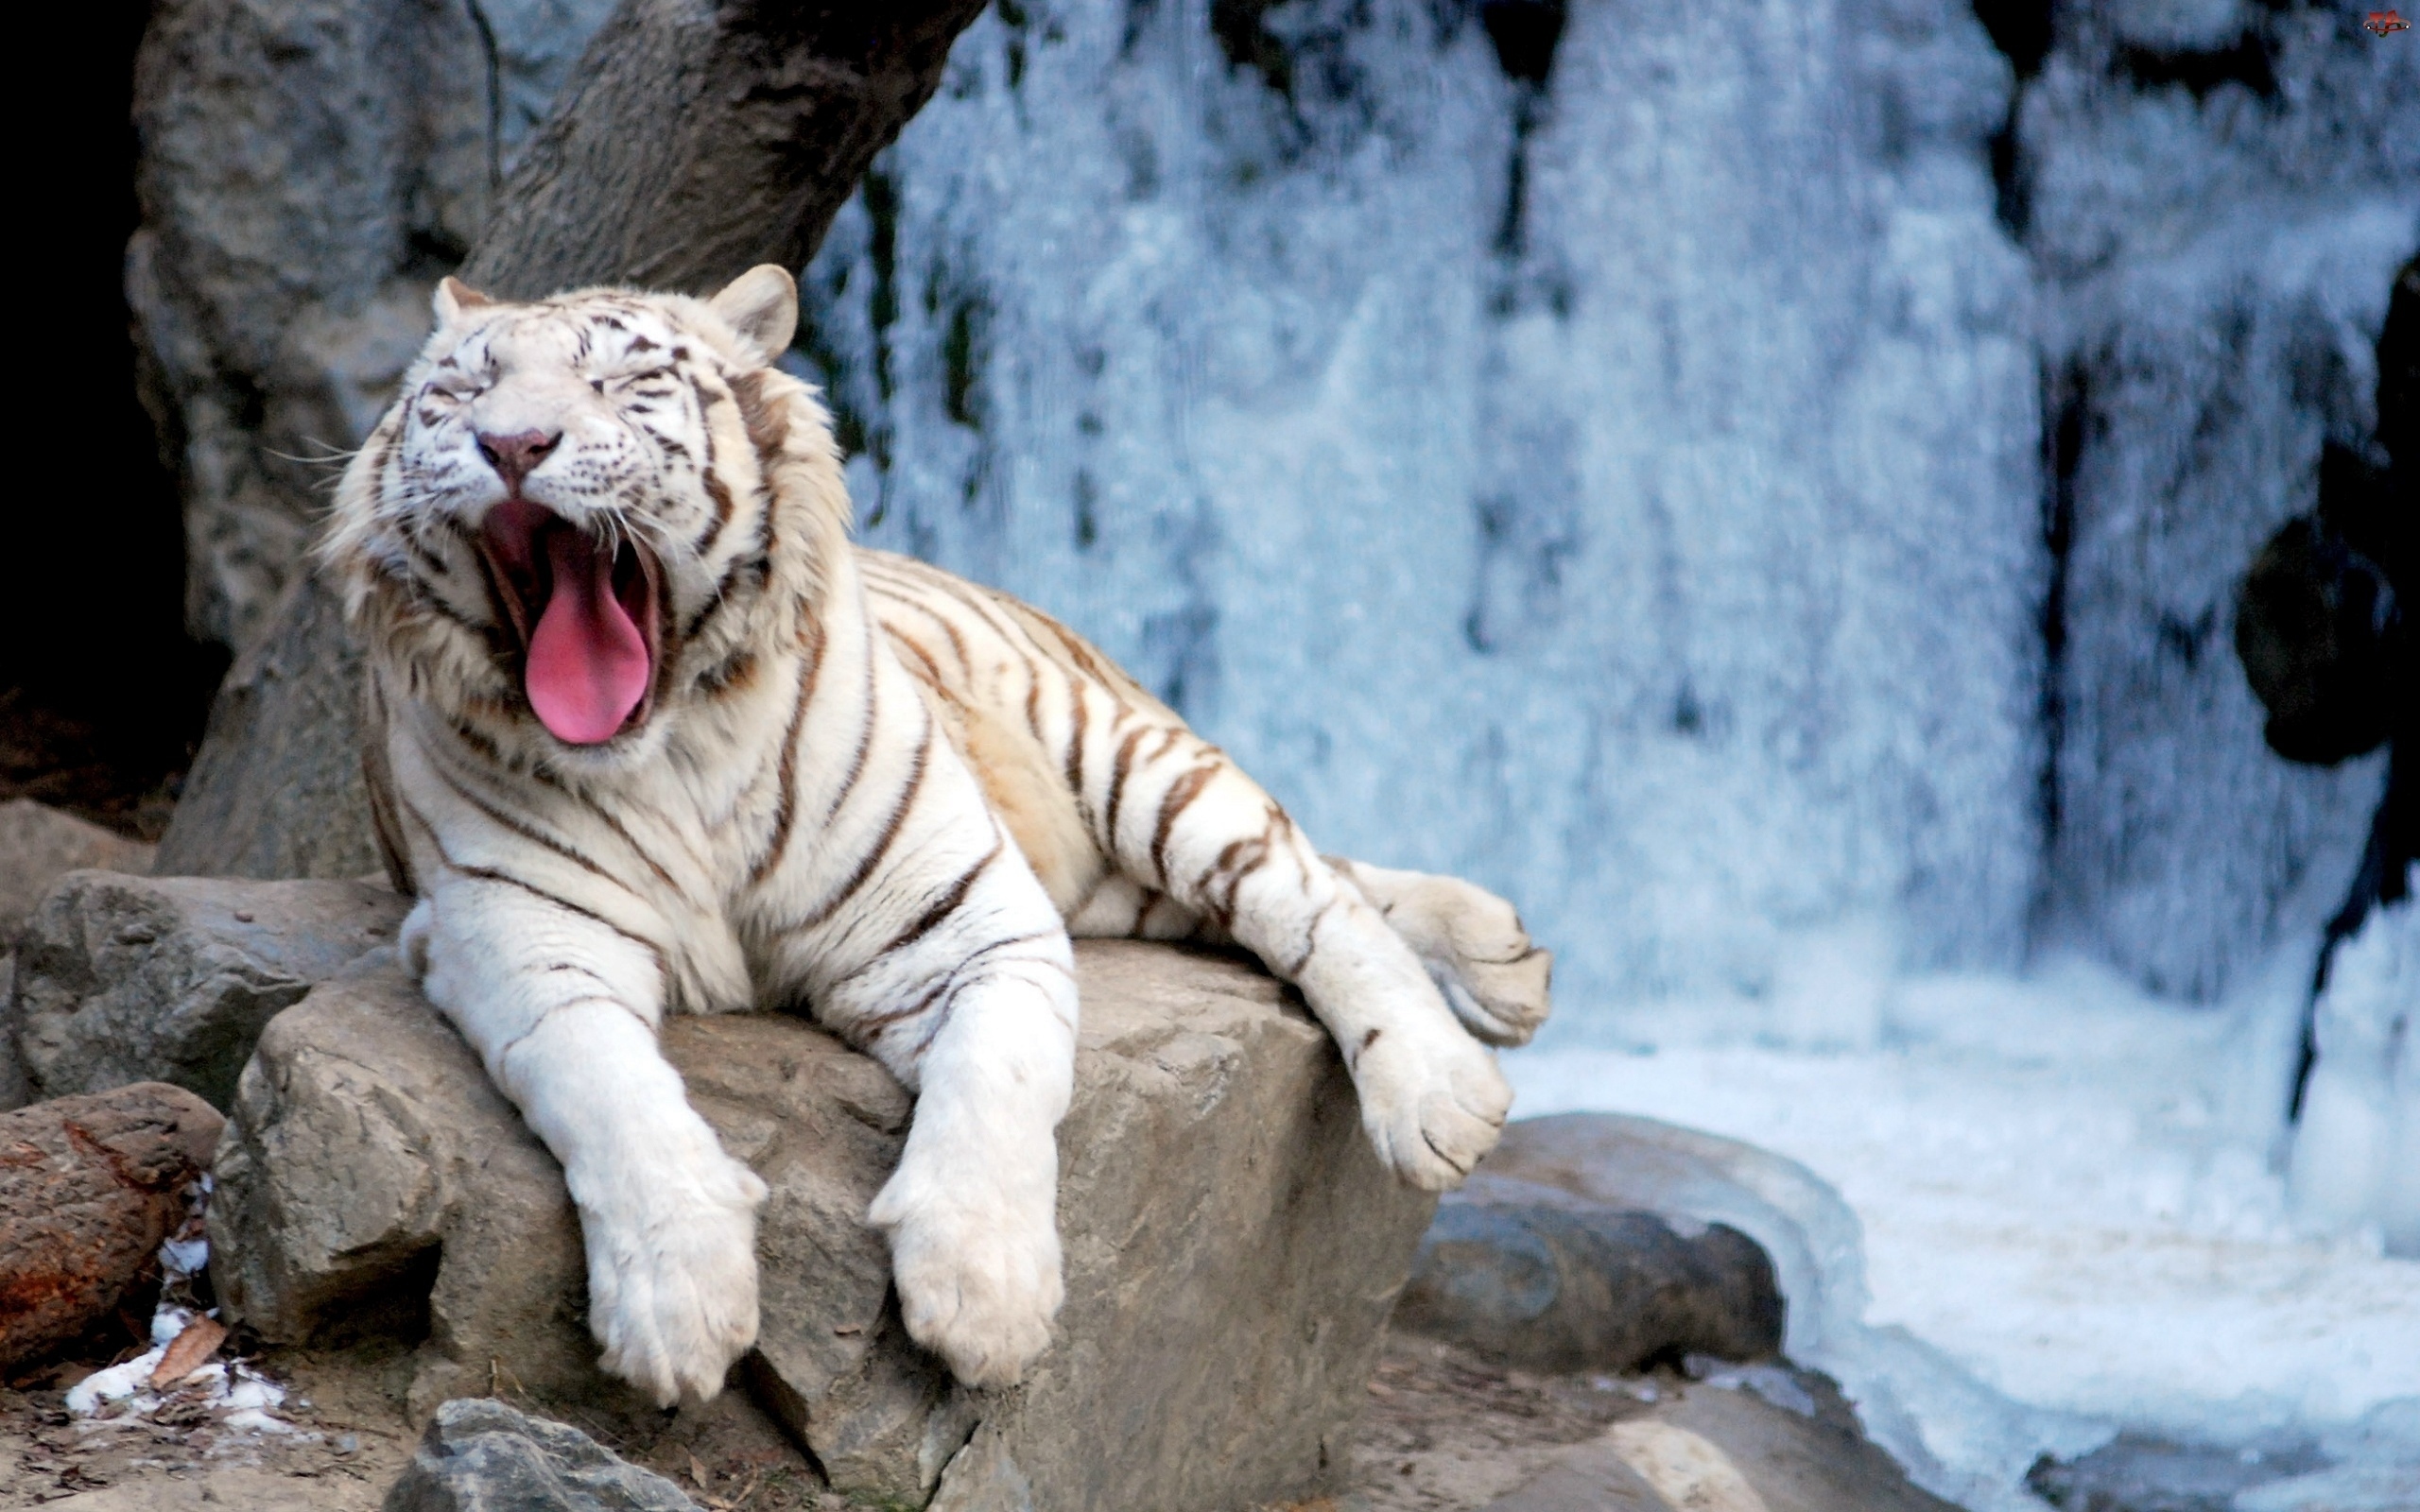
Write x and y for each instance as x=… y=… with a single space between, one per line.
x=649 y=732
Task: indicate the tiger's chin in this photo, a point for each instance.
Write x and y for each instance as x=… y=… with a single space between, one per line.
x=587 y=617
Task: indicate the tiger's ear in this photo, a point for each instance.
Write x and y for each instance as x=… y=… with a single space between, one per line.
x=453 y=296
x=762 y=305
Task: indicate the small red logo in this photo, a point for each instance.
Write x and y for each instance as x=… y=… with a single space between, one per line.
x=2383 y=22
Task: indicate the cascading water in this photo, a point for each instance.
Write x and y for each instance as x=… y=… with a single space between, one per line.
x=1646 y=459
x=1616 y=486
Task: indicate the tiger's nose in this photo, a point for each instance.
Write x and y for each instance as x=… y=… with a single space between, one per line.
x=515 y=456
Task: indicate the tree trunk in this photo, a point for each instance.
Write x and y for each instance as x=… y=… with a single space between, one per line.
x=696 y=140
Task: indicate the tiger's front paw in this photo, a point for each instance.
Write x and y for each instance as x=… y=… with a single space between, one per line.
x=1432 y=1101
x=672 y=1276
x=976 y=1267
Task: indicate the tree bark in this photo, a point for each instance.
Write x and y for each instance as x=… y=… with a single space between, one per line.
x=696 y=139
x=699 y=139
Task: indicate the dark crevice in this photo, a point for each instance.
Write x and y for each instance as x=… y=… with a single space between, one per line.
x=1242 y=29
x=1526 y=33
x=2201 y=70
x=1013 y=16
x=1308 y=66
x=2022 y=30
x=1139 y=16
x=2011 y=196
x=102 y=693
x=882 y=250
x=2066 y=412
x=1512 y=238
x=1087 y=510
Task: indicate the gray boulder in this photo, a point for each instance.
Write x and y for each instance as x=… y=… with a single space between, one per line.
x=1233 y=1246
x=39 y=844
x=484 y=1456
x=1527 y=1276
x=122 y=979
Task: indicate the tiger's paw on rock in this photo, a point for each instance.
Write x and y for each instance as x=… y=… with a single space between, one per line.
x=672 y=1293
x=1433 y=1103
x=977 y=1272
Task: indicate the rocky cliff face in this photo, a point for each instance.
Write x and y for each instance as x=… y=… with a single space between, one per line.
x=309 y=168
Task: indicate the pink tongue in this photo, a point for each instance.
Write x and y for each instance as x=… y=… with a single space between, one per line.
x=587 y=662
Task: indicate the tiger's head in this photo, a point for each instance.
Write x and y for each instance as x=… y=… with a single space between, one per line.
x=586 y=511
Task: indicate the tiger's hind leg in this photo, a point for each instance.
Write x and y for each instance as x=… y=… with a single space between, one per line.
x=1203 y=852
x=1493 y=977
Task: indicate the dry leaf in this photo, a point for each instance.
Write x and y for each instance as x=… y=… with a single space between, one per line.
x=190 y=1352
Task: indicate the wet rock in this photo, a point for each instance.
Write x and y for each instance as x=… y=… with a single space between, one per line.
x=89 y=1186
x=1233 y=1246
x=39 y=845
x=1551 y=1283
x=123 y=979
x=484 y=1456
x=2135 y=1472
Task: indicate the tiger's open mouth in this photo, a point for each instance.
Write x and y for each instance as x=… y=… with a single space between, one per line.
x=588 y=616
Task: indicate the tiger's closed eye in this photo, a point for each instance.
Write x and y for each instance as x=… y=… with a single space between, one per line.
x=624 y=380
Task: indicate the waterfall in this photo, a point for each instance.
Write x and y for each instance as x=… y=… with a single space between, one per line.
x=1592 y=452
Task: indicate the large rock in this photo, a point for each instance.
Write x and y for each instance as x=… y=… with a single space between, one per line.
x=1233 y=1246
x=1527 y=1275
x=484 y=1456
x=89 y=1186
x=123 y=979
x=39 y=844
